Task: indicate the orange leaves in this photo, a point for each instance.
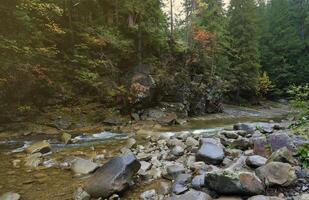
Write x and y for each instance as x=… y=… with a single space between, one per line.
x=206 y=39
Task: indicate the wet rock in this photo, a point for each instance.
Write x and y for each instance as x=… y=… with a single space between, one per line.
x=282 y=155
x=245 y=127
x=80 y=194
x=174 y=170
x=178 y=151
x=42 y=147
x=10 y=196
x=191 y=195
x=280 y=140
x=82 y=167
x=228 y=182
x=112 y=122
x=131 y=143
x=256 y=161
x=149 y=195
x=66 y=138
x=262 y=197
x=112 y=177
x=261 y=147
x=33 y=160
x=210 y=151
x=16 y=163
x=181 y=183
x=276 y=173
x=230 y=134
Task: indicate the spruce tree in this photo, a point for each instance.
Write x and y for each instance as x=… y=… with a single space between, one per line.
x=213 y=20
x=245 y=62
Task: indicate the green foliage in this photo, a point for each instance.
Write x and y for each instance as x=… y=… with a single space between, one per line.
x=303 y=155
x=245 y=62
x=265 y=85
x=284 y=41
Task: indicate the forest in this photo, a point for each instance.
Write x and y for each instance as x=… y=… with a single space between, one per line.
x=60 y=52
x=154 y=99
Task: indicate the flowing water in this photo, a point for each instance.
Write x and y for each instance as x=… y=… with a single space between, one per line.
x=59 y=184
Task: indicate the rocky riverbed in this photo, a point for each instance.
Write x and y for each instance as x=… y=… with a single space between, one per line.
x=232 y=161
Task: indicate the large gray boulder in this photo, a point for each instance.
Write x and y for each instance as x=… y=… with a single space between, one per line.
x=191 y=195
x=282 y=155
x=276 y=173
x=234 y=183
x=261 y=146
x=112 y=177
x=210 y=151
x=279 y=140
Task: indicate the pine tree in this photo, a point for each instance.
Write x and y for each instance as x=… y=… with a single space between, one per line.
x=211 y=18
x=245 y=61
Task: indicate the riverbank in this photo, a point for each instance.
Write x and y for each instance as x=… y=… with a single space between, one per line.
x=52 y=175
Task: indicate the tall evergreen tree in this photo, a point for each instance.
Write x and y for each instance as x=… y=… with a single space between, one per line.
x=245 y=62
x=213 y=20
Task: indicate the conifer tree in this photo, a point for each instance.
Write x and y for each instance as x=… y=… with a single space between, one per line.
x=245 y=61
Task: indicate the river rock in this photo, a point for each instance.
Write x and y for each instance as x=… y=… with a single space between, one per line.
x=82 y=166
x=145 y=166
x=191 y=142
x=10 y=196
x=262 y=197
x=229 y=182
x=181 y=183
x=239 y=143
x=144 y=156
x=280 y=140
x=198 y=182
x=42 y=147
x=191 y=195
x=80 y=194
x=261 y=146
x=149 y=195
x=178 y=151
x=33 y=160
x=154 y=173
x=210 y=151
x=230 y=134
x=256 y=161
x=175 y=142
x=66 y=138
x=174 y=170
x=282 y=155
x=112 y=177
x=276 y=173
x=245 y=127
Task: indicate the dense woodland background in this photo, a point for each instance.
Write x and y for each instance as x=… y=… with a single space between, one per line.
x=66 y=52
